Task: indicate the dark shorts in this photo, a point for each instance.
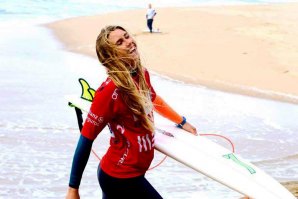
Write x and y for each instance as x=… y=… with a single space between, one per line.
x=137 y=187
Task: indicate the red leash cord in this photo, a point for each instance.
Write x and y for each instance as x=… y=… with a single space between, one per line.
x=221 y=136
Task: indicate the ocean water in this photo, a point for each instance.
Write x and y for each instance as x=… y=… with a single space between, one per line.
x=38 y=131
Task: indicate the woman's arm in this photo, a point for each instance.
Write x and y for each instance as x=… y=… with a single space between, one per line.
x=162 y=108
x=72 y=193
x=79 y=163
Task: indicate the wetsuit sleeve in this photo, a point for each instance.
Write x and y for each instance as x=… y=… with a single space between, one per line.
x=79 y=162
x=162 y=108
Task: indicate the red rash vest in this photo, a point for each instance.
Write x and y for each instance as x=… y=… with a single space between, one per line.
x=131 y=145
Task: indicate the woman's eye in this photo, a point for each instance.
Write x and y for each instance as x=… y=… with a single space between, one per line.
x=119 y=42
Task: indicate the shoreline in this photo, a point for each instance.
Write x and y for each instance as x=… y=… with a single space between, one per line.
x=260 y=60
x=251 y=66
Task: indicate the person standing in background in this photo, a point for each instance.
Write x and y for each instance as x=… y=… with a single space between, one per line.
x=149 y=16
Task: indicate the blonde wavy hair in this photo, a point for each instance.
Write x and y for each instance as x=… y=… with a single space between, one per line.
x=119 y=68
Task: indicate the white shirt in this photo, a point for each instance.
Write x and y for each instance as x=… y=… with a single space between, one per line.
x=150 y=13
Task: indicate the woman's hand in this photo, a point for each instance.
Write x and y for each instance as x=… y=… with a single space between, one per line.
x=188 y=127
x=72 y=193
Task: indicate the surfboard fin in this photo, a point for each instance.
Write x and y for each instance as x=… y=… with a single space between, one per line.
x=87 y=92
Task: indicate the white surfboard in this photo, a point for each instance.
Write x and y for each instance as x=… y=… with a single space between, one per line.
x=210 y=159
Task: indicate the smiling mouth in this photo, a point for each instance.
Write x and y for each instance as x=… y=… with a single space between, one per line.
x=132 y=50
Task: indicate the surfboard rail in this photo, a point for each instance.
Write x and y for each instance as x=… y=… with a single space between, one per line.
x=210 y=159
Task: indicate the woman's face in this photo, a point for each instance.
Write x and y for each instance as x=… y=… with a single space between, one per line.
x=124 y=42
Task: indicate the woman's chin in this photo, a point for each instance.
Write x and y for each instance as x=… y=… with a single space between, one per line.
x=135 y=55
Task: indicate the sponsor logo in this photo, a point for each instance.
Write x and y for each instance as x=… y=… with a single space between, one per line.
x=108 y=81
x=120 y=128
x=115 y=94
x=164 y=132
x=231 y=156
x=145 y=143
x=122 y=159
x=94 y=119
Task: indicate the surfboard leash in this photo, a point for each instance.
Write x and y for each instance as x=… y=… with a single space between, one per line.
x=221 y=136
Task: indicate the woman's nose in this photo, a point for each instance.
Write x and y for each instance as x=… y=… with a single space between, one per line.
x=128 y=42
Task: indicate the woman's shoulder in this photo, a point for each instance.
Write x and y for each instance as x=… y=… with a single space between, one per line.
x=147 y=74
x=145 y=70
x=107 y=86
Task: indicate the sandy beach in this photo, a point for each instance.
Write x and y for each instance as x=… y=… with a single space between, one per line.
x=251 y=50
